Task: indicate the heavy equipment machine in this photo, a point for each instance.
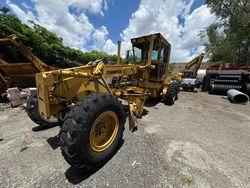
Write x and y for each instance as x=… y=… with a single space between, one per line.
x=87 y=105
x=188 y=81
x=21 y=73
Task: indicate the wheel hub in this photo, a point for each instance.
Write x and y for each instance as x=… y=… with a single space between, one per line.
x=104 y=131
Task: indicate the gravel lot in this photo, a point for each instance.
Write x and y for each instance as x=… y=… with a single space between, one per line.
x=201 y=141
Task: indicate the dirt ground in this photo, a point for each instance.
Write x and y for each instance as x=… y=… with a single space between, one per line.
x=201 y=141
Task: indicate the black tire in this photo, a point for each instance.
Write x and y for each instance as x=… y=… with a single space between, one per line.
x=248 y=88
x=205 y=84
x=33 y=113
x=171 y=94
x=198 y=85
x=75 y=132
x=177 y=91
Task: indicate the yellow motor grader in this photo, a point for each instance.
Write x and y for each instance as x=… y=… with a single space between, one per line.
x=85 y=99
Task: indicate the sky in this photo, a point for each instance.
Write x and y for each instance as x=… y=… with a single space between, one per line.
x=98 y=24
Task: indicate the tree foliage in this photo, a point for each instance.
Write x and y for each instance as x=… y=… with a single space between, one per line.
x=43 y=43
x=229 y=38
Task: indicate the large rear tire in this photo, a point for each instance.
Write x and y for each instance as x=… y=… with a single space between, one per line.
x=33 y=113
x=92 y=130
x=171 y=94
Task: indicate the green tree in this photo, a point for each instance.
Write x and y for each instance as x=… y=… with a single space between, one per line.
x=4 y=10
x=43 y=43
x=229 y=39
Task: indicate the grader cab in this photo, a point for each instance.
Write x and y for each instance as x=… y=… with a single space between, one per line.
x=85 y=101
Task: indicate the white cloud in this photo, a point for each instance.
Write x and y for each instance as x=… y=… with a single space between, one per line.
x=102 y=42
x=155 y=16
x=93 y=6
x=25 y=5
x=194 y=23
x=152 y=16
x=24 y=16
x=75 y=28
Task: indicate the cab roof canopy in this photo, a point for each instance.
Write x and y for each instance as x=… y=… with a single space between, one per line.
x=148 y=38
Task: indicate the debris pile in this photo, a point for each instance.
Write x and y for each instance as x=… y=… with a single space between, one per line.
x=14 y=75
x=17 y=97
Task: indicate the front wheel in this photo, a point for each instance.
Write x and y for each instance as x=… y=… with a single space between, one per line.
x=172 y=94
x=92 y=130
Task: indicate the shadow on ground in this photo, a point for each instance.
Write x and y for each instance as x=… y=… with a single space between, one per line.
x=152 y=102
x=76 y=175
x=42 y=128
x=54 y=142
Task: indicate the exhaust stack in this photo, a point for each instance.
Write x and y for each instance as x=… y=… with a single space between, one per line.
x=119 y=53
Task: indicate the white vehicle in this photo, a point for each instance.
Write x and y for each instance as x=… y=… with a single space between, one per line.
x=188 y=81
